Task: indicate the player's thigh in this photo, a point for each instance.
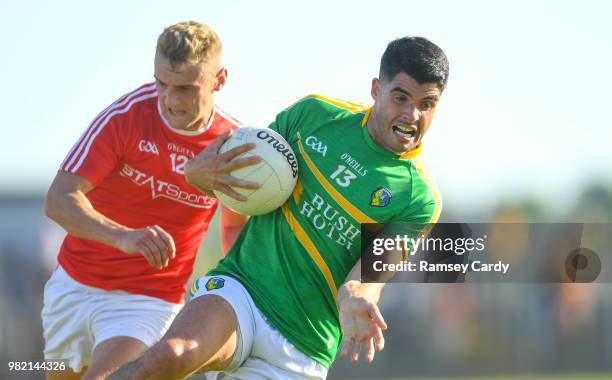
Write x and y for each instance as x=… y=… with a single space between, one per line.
x=111 y=354
x=205 y=332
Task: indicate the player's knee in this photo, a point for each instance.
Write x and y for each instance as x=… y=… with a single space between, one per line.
x=184 y=355
x=177 y=355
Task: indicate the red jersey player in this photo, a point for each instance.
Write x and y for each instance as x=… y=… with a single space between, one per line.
x=134 y=224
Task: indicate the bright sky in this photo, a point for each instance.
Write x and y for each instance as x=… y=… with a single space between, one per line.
x=525 y=111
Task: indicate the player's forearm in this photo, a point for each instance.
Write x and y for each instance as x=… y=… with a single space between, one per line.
x=231 y=225
x=356 y=288
x=73 y=212
x=353 y=287
x=228 y=237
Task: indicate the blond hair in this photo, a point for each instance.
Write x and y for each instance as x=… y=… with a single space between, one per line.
x=189 y=42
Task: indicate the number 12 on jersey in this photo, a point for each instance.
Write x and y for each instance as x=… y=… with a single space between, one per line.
x=178 y=162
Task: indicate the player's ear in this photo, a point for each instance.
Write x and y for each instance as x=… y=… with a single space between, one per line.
x=375 y=90
x=221 y=79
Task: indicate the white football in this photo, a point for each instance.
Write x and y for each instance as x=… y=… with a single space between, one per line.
x=276 y=173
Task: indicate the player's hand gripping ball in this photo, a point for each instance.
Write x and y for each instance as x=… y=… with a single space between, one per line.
x=276 y=173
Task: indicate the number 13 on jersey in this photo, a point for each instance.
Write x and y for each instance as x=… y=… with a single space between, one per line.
x=343 y=176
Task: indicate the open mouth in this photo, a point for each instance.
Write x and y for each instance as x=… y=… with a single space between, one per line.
x=406 y=131
x=176 y=113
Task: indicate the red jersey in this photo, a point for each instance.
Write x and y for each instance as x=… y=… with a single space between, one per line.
x=136 y=160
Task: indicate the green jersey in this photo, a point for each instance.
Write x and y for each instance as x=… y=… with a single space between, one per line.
x=293 y=260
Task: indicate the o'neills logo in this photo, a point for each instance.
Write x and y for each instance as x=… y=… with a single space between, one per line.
x=280 y=148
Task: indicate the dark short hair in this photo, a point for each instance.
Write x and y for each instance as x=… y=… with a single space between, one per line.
x=417 y=57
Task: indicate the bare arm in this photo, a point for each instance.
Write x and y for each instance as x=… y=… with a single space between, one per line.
x=68 y=206
x=360 y=319
x=231 y=225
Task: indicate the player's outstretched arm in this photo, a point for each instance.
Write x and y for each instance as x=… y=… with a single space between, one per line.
x=360 y=319
x=210 y=170
x=68 y=206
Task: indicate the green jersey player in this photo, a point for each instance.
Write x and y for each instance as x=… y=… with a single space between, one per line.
x=278 y=305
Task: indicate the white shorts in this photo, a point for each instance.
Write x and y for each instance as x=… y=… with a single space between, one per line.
x=76 y=318
x=261 y=351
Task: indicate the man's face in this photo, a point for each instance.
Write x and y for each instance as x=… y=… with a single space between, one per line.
x=186 y=91
x=403 y=110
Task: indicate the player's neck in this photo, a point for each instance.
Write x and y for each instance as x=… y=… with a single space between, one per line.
x=202 y=125
x=372 y=125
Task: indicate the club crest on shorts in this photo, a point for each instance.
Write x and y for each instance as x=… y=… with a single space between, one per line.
x=380 y=197
x=214 y=283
